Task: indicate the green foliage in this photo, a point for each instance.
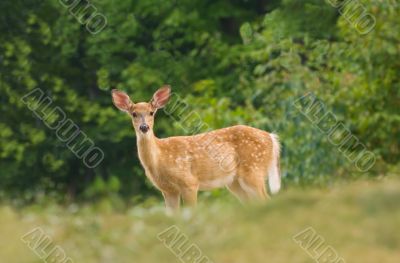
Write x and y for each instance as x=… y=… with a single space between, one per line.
x=231 y=61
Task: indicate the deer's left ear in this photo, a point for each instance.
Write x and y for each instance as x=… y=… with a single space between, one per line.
x=161 y=97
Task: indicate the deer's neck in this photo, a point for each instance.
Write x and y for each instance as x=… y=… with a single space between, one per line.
x=148 y=150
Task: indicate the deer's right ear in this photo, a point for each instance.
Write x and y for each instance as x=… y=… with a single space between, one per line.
x=121 y=100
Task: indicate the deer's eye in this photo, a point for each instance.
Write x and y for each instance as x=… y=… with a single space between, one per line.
x=151 y=113
x=134 y=114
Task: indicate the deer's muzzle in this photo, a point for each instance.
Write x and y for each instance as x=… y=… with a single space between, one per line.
x=144 y=127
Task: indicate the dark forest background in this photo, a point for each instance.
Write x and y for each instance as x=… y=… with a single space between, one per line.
x=232 y=62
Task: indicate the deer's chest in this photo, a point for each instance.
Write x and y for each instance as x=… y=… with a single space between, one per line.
x=167 y=174
x=161 y=181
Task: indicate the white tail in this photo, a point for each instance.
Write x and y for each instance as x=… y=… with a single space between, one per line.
x=237 y=157
x=274 y=177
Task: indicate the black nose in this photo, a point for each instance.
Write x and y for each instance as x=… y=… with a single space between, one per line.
x=144 y=127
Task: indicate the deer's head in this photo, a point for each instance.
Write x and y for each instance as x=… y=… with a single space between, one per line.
x=142 y=113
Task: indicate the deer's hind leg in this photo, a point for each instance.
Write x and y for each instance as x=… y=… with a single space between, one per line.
x=254 y=186
x=238 y=191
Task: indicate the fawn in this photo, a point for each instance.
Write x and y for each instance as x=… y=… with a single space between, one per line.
x=238 y=157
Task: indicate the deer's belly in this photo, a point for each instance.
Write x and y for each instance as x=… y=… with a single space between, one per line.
x=218 y=182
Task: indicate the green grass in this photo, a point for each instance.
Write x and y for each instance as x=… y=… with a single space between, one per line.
x=359 y=220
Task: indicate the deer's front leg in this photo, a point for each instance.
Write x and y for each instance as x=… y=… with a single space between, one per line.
x=189 y=196
x=172 y=201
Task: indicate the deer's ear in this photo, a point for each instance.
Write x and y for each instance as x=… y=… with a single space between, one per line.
x=161 y=97
x=121 y=100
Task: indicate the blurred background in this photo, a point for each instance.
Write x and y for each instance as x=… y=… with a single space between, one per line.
x=232 y=62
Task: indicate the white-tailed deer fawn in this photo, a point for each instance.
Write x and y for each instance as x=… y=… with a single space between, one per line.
x=239 y=157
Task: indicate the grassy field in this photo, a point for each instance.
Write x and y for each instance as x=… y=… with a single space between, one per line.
x=359 y=221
